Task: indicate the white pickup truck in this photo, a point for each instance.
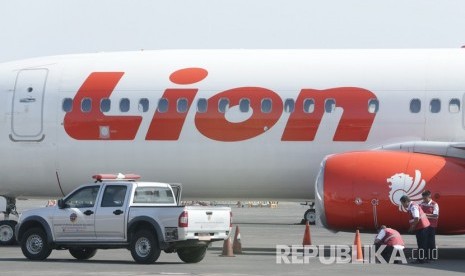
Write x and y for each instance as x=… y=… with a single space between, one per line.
x=144 y=217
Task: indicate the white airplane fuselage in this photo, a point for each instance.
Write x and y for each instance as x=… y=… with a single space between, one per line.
x=46 y=151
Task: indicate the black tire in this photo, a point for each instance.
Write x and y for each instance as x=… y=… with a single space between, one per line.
x=7 y=232
x=310 y=216
x=34 y=245
x=192 y=254
x=144 y=247
x=83 y=253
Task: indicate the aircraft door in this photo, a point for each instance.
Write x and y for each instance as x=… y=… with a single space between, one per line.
x=27 y=109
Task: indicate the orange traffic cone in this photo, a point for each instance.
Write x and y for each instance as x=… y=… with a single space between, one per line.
x=227 y=248
x=358 y=245
x=307 y=239
x=237 y=246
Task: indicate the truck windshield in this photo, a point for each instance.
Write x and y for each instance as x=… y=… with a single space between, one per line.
x=153 y=195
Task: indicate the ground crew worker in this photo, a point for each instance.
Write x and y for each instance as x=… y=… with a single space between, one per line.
x=419 y=224
x=431 y=209
x=391 y=238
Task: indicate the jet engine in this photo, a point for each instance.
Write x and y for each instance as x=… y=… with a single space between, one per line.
x=362 y=190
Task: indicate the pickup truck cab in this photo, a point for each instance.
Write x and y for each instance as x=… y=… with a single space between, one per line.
x=117 y=212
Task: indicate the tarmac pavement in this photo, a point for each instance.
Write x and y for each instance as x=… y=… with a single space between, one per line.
x=262 y=230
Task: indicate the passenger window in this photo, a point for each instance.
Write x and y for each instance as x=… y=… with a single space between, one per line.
x=144 y=105
x=86 y=105
x=373 y=106
x=415 y=105
x=244 y=105
x=182 y=105
x=202 y=105
x=309 y=105
x=289 y=105
x=114 y=196
x=124 y=105
x=454 y=106
x=266 y=105
x=330 y=105
x=223 y=105
x=67 y=105
x=435 y=106
x=162 y=105
x=83 y=198
x=105 y=105
x=153 y=195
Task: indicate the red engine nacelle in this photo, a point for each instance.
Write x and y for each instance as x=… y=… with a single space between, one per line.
x=362 y=189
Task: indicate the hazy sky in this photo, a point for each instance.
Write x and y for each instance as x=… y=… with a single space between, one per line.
x=46 y=27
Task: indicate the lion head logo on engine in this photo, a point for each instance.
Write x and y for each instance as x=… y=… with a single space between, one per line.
x=404 y=184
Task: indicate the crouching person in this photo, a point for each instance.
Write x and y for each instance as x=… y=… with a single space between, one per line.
x=392 y=239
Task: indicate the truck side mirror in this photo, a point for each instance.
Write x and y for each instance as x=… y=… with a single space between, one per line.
x=61 y=204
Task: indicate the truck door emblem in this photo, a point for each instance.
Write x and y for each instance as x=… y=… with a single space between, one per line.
x=73 y=217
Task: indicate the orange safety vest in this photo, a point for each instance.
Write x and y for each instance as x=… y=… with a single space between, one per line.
x=392 y=237
x=423 y=222
x=429 y=209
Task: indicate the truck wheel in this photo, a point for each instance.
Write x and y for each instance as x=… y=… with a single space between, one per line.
x=83 y=253
x=192 y=254
x=7 y=232
x=144 y=247
x=34 y=245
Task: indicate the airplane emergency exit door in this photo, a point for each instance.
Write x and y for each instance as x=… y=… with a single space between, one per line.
x=27 y=109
